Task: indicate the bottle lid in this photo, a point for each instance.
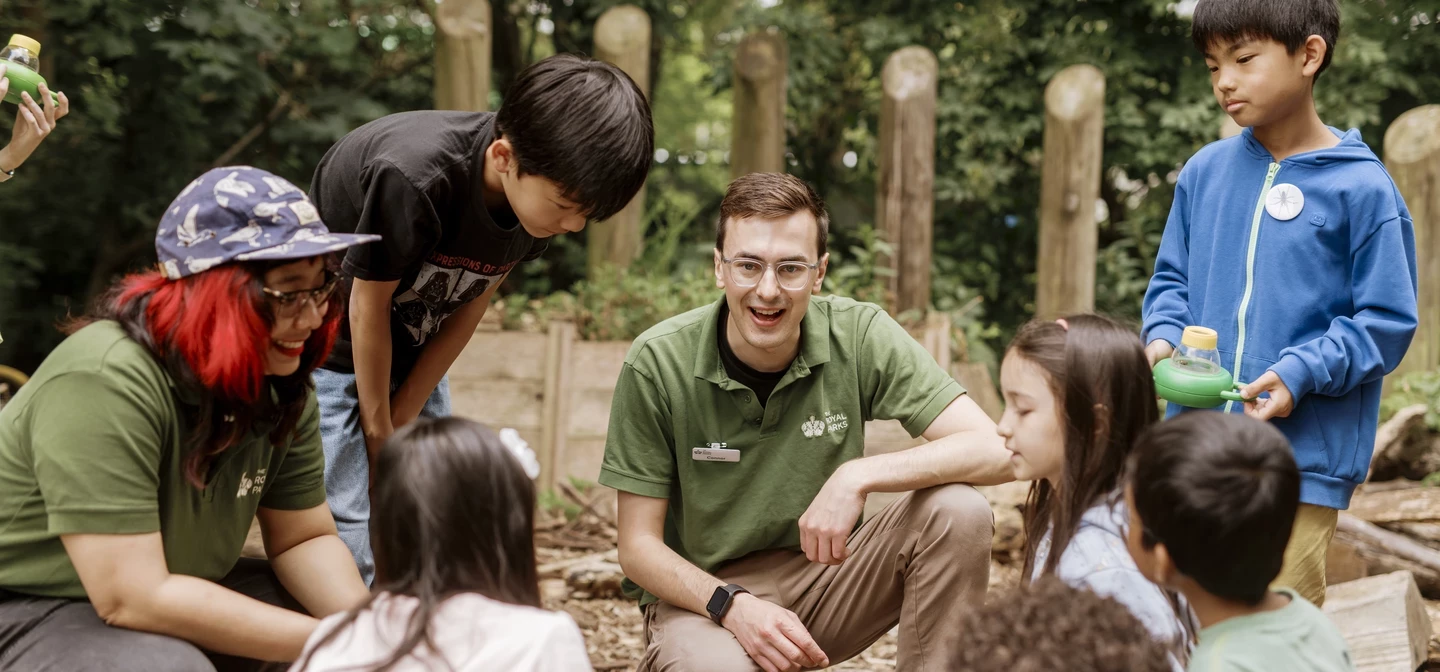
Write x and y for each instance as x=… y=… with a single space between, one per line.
x=1199 y=337
x=19 y=40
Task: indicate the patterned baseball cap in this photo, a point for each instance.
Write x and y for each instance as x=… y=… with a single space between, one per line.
x=240 y=213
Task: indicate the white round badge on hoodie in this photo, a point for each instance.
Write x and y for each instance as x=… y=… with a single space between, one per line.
x=1284 y=202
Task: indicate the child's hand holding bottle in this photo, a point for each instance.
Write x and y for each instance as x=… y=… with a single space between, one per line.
x=33 y=124
x=1157 y=350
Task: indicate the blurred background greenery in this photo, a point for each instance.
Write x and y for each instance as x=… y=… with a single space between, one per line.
x=164 y=90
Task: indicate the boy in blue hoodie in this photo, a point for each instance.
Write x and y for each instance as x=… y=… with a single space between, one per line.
x=1293 y=243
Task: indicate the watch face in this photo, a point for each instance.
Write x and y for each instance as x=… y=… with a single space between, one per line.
x=717 y=601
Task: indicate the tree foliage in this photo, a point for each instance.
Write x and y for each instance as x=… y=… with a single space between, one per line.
x=166 y=89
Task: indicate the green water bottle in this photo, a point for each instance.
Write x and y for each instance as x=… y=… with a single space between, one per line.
x=22 y=67
x=1192 y=375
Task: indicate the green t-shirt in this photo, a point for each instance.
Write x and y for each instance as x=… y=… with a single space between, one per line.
x=1297 y=637
x=94 y=444
x=855 y=364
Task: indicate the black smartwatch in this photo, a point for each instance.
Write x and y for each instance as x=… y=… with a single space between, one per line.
x=720 y=601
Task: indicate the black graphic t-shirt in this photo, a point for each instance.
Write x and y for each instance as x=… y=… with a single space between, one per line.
x=415 y=178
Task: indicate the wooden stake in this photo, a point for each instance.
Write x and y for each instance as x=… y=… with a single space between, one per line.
x=905 y=202
x=757 y=134
x=1070 y=185
x=622 y=37
x=1412 y=155
x=462 y=55
x=555 y=406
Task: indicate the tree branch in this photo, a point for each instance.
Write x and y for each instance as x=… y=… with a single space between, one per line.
x=282 y=104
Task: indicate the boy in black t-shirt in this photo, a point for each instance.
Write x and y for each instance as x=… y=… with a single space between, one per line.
x=459 y=199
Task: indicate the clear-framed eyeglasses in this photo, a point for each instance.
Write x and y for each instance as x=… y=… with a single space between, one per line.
x=289 y=304
x=791 y=275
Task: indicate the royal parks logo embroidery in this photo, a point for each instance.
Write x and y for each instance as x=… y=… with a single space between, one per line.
x=251 y=486
x=812 y=428
x=833 y=422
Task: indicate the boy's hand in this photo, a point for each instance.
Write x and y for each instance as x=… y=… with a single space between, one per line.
x=1157 y=350
x=1280 y=403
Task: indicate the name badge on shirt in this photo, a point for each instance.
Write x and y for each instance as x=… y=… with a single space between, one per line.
x=715 y=452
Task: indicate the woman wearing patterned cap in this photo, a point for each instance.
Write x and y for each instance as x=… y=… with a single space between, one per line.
x=132 y=463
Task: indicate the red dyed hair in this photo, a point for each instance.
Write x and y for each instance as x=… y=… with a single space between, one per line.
x=211 y=332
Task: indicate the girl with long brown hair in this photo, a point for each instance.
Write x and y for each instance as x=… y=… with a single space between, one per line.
x=1078 y=391
x=456 y=585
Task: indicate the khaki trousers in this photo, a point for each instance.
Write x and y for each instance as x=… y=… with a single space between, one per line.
x=1303 y=569
x=917 y=563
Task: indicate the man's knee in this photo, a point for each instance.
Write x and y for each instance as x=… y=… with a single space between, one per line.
x=681 y=641
x=958 y=509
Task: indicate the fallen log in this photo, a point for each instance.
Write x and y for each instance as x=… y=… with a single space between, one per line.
x=1404 y=447
x=1386 y=551
x=1425 y=533
x=1383 y=620
x=1415 y=504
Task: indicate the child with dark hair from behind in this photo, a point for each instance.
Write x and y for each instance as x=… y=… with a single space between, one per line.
x=456 y=586
x=1048 y=625
x=1212 y=499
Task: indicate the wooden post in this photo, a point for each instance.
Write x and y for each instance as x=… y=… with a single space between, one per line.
x=1070 y=185
x=1412 y=155
x=462 y=55
x=905 y=199
x=622 y=37
x=555 y=405
x=757 y=133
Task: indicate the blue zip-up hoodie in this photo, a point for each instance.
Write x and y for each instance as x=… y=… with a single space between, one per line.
x=1326 y=299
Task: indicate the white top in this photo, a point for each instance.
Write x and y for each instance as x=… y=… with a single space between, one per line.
x=472 y=632
x=1097 y=559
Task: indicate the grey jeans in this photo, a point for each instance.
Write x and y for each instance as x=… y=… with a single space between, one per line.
x=40 y=634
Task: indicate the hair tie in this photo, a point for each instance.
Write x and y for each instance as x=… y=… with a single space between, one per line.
x=1063 y=324
x=521 y=450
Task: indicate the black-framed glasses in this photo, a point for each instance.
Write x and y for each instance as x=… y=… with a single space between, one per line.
x=791 y=275
x=289 y=304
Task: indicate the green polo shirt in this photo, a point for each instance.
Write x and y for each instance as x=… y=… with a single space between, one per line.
x=855 y=364
x=94 y=444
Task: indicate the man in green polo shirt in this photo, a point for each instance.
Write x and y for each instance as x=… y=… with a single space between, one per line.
x=736 y=441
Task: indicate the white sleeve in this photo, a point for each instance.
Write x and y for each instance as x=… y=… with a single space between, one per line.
x=1144 y=599
x=564 y=647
